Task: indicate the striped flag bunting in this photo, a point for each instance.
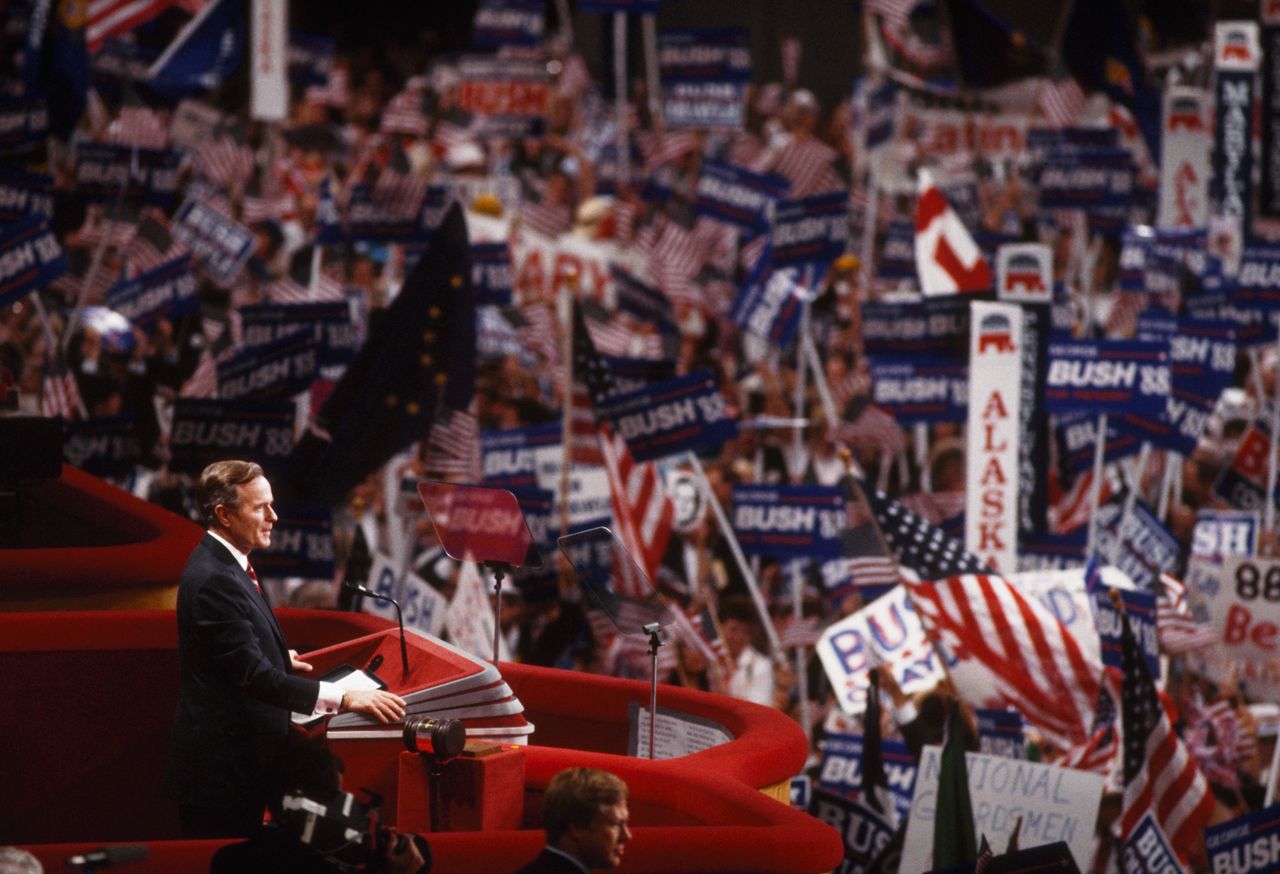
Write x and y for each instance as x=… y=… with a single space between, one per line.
x=1178 y=630
x=1160 y=776
x=804 y=631
x=1031 y=660
x=1061 y=101
x=404 y=113
x=807 y=164
x=540 y=215
x=224 y=162
x=876 y=428
x=453 y=447
x=110 y=18
x=59 y=394
x=642 y=513
x=336 y=91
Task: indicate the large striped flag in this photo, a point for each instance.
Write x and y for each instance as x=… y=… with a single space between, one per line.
x=453 y=448
x=1178 y=630
x=1160 y=776
x=642 y=512
x=109 y=18
x=1028 y=660
x=947 y=259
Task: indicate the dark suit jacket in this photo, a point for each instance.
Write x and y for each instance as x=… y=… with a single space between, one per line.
x=236 y=691
x=548 y=862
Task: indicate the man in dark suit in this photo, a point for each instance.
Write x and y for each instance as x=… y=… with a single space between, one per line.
x=584 y=814
x=239 y=680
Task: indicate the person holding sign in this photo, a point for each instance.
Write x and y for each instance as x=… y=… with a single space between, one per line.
x=238 y=678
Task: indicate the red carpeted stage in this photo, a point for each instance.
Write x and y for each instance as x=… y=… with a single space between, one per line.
x=91 y=695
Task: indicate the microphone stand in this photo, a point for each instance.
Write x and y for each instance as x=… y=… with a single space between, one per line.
x=498 y=568
x=404 y=651
x=654 y=642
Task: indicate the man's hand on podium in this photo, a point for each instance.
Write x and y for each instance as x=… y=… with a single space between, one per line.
x=382 y=705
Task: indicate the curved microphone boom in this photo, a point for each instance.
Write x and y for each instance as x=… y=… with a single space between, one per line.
x=370 y=593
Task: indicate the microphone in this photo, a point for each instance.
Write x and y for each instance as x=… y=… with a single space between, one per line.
x=108 y=856
x=359 y=589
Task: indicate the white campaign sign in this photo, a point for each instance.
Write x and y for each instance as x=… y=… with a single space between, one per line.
x=887 y=631
x=384 y=580
x=1186 y=151
x=269 y=61
x=1024 y=273
x=423 y=607
x=1062 y=592
x=1245 y=608
x=469 y=619
x=1056 y=804
x=992 y=434
x=542 y=266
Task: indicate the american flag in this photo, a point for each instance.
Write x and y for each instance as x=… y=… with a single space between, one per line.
x=642 y=513
x=404 y=114
x=807 y=165
x=203 y=382
x=399 y=189
x=1061 y=101
x=262 y=207
x=919 y=546
x=536 y=328
x=1100 y=752
x=663 y=147
x=108 y=18
x=335 y=92
x=60 y=395
x=1031 y=660
x=875 y=427
x=151 y=246
x=1213 y=737
x=453 y=448
x=541 y=215
x=1160 y=776
x=1178 y=630
x=140 y=125
x=867 y=562
x=225 y=162
x=796 y=632
x=675 y=255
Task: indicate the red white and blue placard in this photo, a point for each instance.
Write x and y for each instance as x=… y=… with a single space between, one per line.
x=301 y=543
x=841 y=768
x=30 y=258
x=204 y=431
x=921 y=388
x=1248 y=844
x=508 y=457
x=1107 y=376
x=688 y=413
x=737 y=196
x=1000 y=733
x=491 y=274
x=811 y=232
x=164 y=292
x=282 y=368
x=1140 y=607
x=789 y=521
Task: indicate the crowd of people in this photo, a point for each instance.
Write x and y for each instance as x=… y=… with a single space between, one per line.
x=393 y=124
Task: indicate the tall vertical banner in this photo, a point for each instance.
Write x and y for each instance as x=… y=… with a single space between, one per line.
x=1185 y=153
x=1269 y=196
x=269 y=62
x=993 y=433
x=1235 y=57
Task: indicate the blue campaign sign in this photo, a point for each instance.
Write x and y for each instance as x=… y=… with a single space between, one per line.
x=509 y=457
x=738 y=196
x=789 y=521
x=506 y=96
x=1060 y=552
x=152 y=175
x=204 y=431
x=841 y=769
x=23 y=194
x=1000 y=733
x=880 y=104
x=22 y=123
x=1140 y=607
x=1248 y=844
x=632 y=374
x=491 y=274
x=370 y=222
x=1041 y=140
x=865 y=832
x=501 y=23
x=801 y=791
x=1107 y=376
x=811 y=232
x=1142 y=548
x=771 y=309
x=163 y=292
x=634 y=7
x=1098 y=181
x=1258 y=279
x=1077 y=436
x=310 y=58
x=1148 y=851
x=107 y=447
x=704 y=76
x=301 y=543
x=641 y=300
x=921 y=389
x=897 y=259
x=338 y=336
x=938 y=326
x=217 y=242
x=30 y=257
x=278 y=370
x=688 y=413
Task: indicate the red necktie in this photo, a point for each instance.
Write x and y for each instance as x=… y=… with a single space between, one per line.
x=253 y=575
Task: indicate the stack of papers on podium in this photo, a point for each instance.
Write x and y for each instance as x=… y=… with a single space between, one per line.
x=450 y=684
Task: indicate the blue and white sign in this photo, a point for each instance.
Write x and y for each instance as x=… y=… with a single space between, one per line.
x=339 y=339
x=738 y=196
x=1248 y=844
x=811 y=233
x=1143 y=548
x=897 y=261
x=218 y=243
x=23 y=194
x=704 y=77
x=164 y=292
x=507 y=96
x=1107 y=376
x=22 y=123
x=205 y=431
x=641 y=300
x=509 y=458
x=30 y=258
x=1077 y=436
x=301 y=543
x=501 y=23
x=1148 y=852
x=1099 y=181
x=841 y=769
x=106 y=447
x=937 y=326
x=280 y=369
x=491 y=274
x=688 y=413
x=921 y=389
x=1258 y=280
x=1000 y=733
x=1140 y=607
x=865 y=832
x=152 y=175
x=789 y=521
x=771 y=309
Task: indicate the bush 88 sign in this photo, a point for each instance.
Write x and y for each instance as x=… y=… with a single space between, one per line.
x=1246 y=607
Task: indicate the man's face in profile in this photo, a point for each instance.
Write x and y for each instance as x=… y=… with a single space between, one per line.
x=601 y=845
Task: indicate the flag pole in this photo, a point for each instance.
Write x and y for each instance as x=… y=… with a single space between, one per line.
x=726 y=529
x=802 y=680
x=1095 y=487
x=565 y=302
x=1269 y=500
x=620 y=93
x=649 y=23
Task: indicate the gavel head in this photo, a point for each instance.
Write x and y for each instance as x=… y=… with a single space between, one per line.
x=436 y=738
